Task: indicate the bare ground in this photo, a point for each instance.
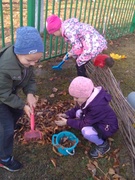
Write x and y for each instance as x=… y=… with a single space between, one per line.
x=37 y=157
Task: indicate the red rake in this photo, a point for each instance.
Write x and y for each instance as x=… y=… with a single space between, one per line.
x=32 y=134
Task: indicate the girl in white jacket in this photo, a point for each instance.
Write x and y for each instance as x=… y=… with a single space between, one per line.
x=86 y=41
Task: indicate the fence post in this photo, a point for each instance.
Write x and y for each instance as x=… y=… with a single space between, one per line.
x=39 y=15
x=2 y=25
x=31 y=13
x=132 y=28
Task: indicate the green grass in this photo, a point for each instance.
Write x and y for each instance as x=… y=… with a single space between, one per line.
x=36 y=157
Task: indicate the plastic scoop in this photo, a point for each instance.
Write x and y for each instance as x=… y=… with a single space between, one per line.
x=59 y=66
x=32 y=134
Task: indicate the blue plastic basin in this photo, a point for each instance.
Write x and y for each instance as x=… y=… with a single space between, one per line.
x=56 y=139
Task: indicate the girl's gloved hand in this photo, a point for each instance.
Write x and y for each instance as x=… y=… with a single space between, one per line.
x=68 y=55
x=62 y=115
x=61 y=122
x=78 y=113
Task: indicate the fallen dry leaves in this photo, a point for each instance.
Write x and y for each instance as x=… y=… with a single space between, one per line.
x=112 y=174
x=56 y=152
x=91 y=167
x=53 y=162
x=45 y=115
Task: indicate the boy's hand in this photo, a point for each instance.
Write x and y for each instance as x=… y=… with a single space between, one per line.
x=31 y=100
x=27 y=110
x=61 y=122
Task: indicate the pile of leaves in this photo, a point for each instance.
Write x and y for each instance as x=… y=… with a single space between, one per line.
x=45 y=115
x=66 y=142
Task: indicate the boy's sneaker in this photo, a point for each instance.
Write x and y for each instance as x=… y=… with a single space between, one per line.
x=100 y=150
x=11 y=165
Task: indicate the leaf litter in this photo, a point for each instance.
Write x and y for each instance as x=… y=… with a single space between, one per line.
x=45 y=115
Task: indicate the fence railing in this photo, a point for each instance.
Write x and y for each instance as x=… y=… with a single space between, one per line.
x=115 y=18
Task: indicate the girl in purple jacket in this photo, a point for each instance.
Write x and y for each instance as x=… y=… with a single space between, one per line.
x=93 y=115
x=86 y=42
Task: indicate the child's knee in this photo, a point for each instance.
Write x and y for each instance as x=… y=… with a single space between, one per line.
x=88 y=131
x=87 y=135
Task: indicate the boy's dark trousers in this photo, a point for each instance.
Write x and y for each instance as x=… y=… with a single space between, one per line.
x=81 y=70
x=8 y=119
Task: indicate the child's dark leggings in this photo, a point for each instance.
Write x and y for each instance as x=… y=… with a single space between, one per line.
x=81 y=70
x=8 y=119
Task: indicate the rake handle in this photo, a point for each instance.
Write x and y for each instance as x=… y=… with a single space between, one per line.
x=32 y=120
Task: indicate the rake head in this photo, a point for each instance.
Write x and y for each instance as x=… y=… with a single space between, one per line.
x=32 y=135
x=57 y=67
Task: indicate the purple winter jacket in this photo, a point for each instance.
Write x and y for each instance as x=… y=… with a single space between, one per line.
x=97 y=114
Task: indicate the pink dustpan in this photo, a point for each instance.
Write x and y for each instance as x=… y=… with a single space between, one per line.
x=32 y=134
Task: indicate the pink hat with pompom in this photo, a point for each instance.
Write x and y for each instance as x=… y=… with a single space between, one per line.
x=81 y=87
x=53 y=24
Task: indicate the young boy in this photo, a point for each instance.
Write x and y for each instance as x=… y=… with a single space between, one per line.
x=93 y=115
x=16 y=72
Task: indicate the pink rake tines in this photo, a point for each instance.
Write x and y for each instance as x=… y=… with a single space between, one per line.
x=32 y=134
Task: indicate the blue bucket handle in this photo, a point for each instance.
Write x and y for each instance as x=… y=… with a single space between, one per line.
x=70 y=152
x=53 y=139
x=73 y=149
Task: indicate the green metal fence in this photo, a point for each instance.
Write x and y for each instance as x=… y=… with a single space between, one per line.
x=115 y=17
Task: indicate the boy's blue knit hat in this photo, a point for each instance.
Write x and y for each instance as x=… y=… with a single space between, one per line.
x=28 y=41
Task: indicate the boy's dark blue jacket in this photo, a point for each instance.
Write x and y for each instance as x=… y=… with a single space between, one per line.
x=98 y=114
